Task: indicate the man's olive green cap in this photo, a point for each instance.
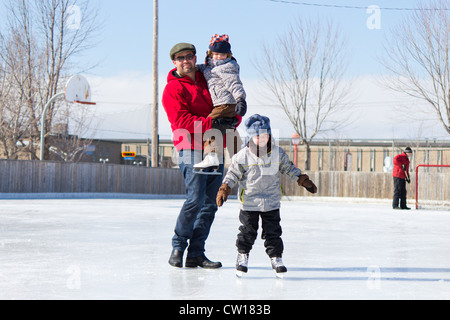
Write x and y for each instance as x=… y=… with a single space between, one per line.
x=181 y=47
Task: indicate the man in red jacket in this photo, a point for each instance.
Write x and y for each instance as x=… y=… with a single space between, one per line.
x=187 y=102
x=401 y=176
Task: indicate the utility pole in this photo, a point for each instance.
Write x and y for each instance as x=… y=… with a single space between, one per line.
x=155 y=137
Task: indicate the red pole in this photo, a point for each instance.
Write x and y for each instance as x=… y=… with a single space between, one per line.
x=295 y=155
x=417 y=173
x=417 y=177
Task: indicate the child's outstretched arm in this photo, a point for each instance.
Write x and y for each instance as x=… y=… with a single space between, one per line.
x=234 y=174
x=288 y=168
x=303 y=181
x=222 y=195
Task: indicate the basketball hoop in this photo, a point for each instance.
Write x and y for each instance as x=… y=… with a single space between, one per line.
x=84 y=102
x=77 y=90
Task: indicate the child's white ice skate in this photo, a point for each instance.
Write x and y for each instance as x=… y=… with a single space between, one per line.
x=241 y=264
x=211 y=161
x=278 y=267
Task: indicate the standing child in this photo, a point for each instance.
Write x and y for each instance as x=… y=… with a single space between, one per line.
x=256 y=168
x=221 y=72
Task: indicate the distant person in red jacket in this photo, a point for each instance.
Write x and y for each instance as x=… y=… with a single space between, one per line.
x=401 y=176
x=187 y=102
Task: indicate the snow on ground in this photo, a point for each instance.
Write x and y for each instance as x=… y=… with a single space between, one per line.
x=118 y=249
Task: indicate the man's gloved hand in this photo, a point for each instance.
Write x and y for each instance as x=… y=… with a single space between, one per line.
x=303 y=181
x=408 y=179
x=222 y=195
x=241 y=108
x=222 y=124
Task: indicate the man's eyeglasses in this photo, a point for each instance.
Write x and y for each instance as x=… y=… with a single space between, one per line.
x=187 y=57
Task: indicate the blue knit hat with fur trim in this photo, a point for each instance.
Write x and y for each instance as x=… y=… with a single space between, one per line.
x=256 y=125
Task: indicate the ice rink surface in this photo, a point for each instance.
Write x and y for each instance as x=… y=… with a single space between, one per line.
x=118 y=249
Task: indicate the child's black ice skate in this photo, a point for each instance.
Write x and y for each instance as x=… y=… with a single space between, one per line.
x=211 y=162
x=241 y=264
x=278 y=267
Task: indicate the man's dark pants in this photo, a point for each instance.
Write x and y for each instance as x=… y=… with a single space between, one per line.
x=399 y=193
x=198 y=211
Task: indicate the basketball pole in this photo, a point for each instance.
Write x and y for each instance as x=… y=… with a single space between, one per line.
x=44 y=115
x=71 y=93
x=155 y=86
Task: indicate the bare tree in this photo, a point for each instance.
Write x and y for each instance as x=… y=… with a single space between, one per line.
x=417 y=58
x=17 y=92
x=69 y=147
x=303 y=69
x=38 y=52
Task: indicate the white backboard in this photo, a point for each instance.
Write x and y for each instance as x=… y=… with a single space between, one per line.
x=78 y=89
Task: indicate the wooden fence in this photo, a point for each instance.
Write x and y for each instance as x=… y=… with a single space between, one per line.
x=432 y=186
x=57 y=177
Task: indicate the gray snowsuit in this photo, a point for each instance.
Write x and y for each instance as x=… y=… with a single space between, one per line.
x=223 y=81
x=226 y=91
x=259 y=178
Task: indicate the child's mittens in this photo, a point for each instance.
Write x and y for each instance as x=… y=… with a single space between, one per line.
x=241 y=107
x=222 y=195
x=303 y=181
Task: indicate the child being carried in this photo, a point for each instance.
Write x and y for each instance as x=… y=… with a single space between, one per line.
x=221 y=71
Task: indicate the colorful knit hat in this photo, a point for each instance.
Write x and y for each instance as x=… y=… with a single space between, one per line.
x=220 y=43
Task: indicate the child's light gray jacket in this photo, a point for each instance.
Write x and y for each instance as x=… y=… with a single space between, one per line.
x=223 y=79
x=259 y=178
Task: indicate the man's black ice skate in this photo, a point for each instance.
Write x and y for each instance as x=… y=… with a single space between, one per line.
x=241 y=264
x=202 y=262
x=176 y=258
x=278 y=266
